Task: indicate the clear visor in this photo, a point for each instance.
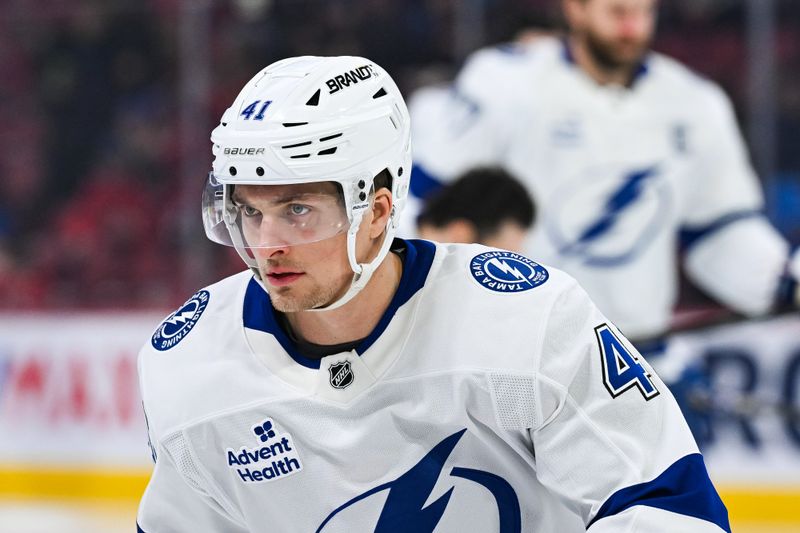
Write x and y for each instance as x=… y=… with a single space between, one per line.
x=272 y=216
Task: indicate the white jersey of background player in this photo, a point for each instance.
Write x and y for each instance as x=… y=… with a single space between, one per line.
x=351 y=381
x=621 y=150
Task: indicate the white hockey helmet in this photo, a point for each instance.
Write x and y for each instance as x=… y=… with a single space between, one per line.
x=308 y=120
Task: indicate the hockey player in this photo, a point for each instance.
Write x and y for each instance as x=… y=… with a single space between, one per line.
x=485 y=205
x=629 y=155
x=349 y=381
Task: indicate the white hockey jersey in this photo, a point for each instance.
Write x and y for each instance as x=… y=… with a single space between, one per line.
x=491 y=397
x=616 y=172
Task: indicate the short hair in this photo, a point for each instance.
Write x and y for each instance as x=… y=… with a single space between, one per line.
x=486 y=196
x=382 y=179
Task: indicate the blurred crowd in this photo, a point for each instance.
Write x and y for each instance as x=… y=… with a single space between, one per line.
x=94 y=203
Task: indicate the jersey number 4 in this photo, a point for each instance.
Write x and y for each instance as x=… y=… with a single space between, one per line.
x=621 y=369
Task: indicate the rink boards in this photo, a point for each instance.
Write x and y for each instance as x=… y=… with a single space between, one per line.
x=72 y=427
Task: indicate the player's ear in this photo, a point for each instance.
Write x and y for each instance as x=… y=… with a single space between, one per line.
x=381 y=210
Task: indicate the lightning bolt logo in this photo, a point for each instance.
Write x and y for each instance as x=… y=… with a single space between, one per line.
x=619 y=200
x=175 y=327
x=405 y=508
x=504 y=267
x=181 y=317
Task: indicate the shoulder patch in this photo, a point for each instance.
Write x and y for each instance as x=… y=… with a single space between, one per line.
x=177 y=325
x=502 y=271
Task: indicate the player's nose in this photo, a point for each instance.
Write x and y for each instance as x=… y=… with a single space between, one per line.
x=272 y=232
x=634 y=25
x=272 y=240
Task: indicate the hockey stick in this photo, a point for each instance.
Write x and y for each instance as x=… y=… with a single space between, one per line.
x=726 y=402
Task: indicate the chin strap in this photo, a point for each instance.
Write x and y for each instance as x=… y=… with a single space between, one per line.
x=362 y=272
x=358 y=282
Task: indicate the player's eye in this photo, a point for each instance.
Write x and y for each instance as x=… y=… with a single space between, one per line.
x=299 y=209
x=249 y=211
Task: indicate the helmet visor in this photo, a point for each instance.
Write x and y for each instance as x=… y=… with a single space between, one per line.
x=273 y=216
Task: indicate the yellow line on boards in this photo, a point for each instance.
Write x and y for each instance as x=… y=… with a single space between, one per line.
x=72 y=483
x=745 y=504
x=762 y=504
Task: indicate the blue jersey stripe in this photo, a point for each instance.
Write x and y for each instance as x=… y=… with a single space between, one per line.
x=416 y=265
x=259 y=314
x=683 y=488
x=691 y=235
x=422 y=183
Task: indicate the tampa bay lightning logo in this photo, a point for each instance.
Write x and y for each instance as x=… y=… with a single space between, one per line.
x=177 y=325
x=404 y=509
x=502 y=271
x=607 y=216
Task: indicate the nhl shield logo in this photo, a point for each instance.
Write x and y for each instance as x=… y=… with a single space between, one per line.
x=341 y=375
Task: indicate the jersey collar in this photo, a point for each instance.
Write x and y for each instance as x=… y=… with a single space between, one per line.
x=258 y=313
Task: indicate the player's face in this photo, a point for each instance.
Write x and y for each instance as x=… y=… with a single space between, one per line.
x=617 y=33
x=297 y=276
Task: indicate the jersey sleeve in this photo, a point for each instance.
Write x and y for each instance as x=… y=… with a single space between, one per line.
x=724 y=183
x=733 y=252
x=742 y=264
x=611 y=441
x=179 y=496
x=464 y=125
x=171 y=505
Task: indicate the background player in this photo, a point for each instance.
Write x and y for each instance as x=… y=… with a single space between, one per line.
x=629 y=155
x=485 y=205
x=347 y=379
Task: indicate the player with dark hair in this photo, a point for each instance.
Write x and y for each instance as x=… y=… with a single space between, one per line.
x=485 y=205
